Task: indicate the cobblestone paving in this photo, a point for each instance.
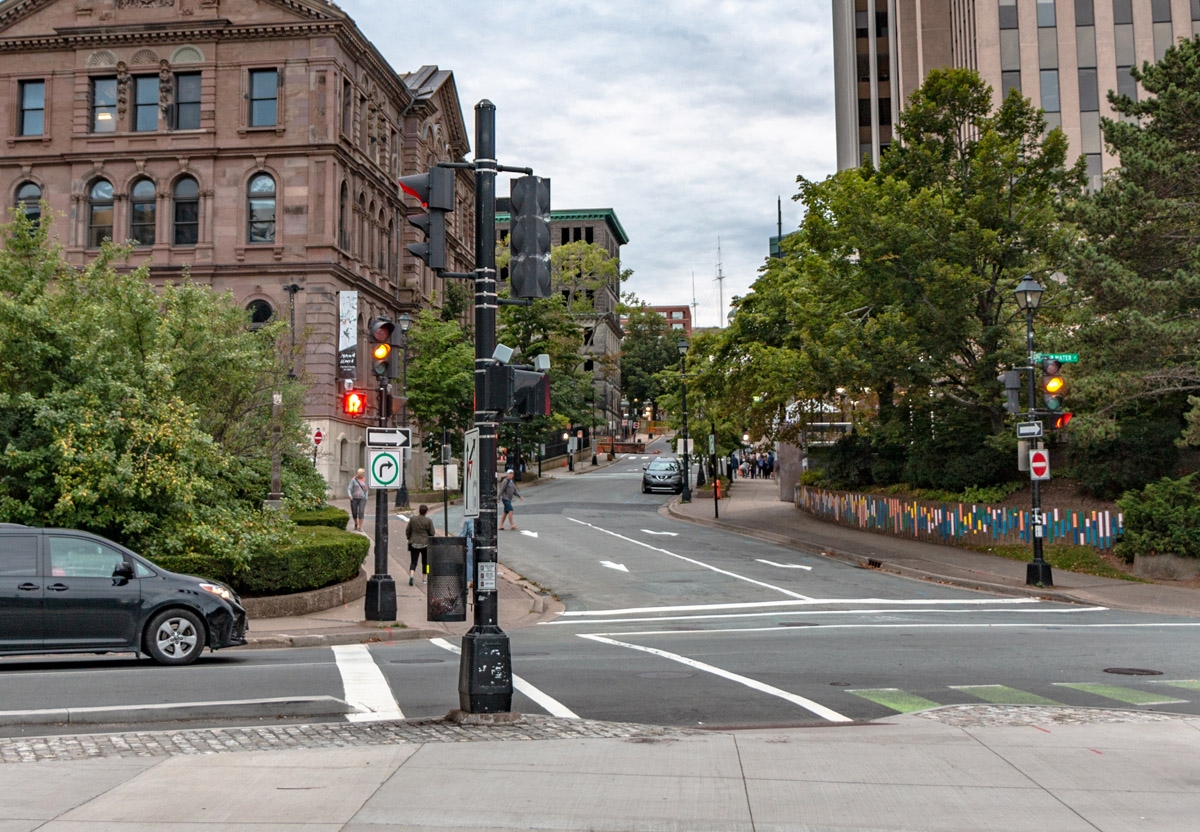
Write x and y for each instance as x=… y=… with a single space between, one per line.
x=987 y=716
x=194 y=742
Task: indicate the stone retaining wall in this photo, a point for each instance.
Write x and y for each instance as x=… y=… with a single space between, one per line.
x=303 y=603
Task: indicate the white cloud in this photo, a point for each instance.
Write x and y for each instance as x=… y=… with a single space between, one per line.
x=687 y=117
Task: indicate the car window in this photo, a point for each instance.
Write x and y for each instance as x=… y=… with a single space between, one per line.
x=142 y=570
x=73 y=557
x=18 y=555
x=664 y=465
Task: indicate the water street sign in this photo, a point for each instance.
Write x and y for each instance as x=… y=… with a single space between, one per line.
x=389 y=438
x=1029 y=430
x=471 y=473
x=1039 y=465
x=1060 y=357
x=383 y=467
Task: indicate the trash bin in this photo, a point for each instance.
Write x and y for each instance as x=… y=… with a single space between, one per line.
x=447 y=586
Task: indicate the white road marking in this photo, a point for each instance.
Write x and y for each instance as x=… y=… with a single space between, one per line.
x=693 y=561
x=1037 y=625
x=528 y=534
x=548 y=703
x=365 y=686
x=784 y=565
x=559 y=621
x=620 y=567
x=403 y=517
x=807 y=704
x=806 y=602
x=670 y=534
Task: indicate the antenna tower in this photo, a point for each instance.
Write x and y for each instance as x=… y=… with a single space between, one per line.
x=720 y=288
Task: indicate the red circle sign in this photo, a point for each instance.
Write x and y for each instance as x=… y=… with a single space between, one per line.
x=1039 y=463
x=317 y=437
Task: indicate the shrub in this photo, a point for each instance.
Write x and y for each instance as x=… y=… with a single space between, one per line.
x=318 y=556
x=324 y=516
x=1162 y=519
x=1141 y=451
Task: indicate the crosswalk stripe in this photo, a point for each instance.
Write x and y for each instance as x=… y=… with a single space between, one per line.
x=1004 y=695
x=1186 y=684
x=1130 y=696
x=896 y=699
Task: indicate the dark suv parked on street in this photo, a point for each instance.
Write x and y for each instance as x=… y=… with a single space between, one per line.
x=66 y=591
x=665 y=474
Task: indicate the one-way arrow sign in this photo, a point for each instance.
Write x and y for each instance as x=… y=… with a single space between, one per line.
x=389 y=438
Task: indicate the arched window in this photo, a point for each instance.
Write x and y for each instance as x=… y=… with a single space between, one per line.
x=100 y=213
x=391 y=254
x=29 y=197
x=260 y=313
x=371 y=232
x=344 y=218
x=385 y=242
x=261 y=210
x=186 y=231
x=142 y=213
x=362 y=226
x=344 y=454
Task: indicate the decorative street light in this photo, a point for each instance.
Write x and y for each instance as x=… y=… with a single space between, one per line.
x=687 y=488
x=404 y=322
x=1029 y=297
x=592 y=435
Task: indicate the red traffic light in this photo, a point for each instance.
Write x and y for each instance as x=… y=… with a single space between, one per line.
x=1063 y=420
x=354 y=403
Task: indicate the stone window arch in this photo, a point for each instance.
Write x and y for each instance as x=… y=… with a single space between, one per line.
x=143 y=200
x=29 y=201
x=260 y=209
x=100 y=212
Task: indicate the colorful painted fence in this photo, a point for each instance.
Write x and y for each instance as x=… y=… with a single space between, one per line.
x=979 y=525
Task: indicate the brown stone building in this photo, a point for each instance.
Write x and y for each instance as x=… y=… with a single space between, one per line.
x=253 y=143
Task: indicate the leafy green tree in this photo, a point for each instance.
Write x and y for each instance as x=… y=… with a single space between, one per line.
x=646 y=350
x=1136 y=279
x=441 y=377
x=143 y=416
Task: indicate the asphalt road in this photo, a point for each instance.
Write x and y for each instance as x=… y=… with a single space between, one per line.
x=669 y=623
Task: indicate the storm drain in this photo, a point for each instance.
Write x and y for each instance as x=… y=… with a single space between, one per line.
x=1132 y=671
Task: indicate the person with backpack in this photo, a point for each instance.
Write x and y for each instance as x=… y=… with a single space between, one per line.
x=420 y=529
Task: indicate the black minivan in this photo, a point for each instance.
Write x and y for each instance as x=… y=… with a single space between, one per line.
x=66 y=591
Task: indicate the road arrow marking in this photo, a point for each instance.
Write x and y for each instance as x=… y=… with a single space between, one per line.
x=527 y=534
x=784 y=565
x=669 y=534
x=620 y=567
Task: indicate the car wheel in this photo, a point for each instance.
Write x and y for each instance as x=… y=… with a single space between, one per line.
x=175 y=637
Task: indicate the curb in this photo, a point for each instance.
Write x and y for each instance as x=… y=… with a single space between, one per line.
x=289 y=706
x=277 y=641
x=877 y=564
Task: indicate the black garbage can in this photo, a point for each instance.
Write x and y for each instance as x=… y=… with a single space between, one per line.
x=447 y=586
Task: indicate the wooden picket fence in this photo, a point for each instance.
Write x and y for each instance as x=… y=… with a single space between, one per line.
x=980 y=525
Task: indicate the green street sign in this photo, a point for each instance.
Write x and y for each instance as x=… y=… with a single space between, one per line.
x=1061 y=357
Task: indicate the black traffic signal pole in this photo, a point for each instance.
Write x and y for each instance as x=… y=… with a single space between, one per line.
x=1037 y=573
x=381 y=588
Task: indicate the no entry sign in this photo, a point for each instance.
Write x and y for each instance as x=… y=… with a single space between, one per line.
x=318 y=436
x=1039 y=465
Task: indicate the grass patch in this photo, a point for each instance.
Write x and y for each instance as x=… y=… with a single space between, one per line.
x=1082 y=559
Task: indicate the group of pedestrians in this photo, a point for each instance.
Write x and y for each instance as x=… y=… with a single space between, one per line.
x=753 y=465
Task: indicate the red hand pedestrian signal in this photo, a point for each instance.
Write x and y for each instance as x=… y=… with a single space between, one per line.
x=354 y=403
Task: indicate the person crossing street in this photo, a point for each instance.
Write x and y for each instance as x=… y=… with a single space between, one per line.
x=508 y=490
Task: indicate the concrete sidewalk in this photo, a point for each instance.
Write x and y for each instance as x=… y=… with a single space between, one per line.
x=967 y=768
x=754 y=509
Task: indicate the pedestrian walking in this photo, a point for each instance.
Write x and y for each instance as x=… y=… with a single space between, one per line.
x=358 y=498
x=508 y=490
x=420 y=529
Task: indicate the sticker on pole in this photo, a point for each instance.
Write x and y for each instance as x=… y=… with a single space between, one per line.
x=471 y=473
x=1039 y=465
x=383 y=468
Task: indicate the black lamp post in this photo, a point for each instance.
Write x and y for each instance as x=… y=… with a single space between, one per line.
x=404 y=322
x=592 y=435
x=1029 y=297
x=687 y=488
x=570 y=453
x=624 y=419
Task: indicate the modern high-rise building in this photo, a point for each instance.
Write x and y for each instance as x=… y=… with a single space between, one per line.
x=1064 y=55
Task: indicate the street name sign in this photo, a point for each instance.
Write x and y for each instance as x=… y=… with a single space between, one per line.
x=471 y=473
x=1060 y=357
x=389 y=438
x=1039 y=464
x=383 y=467
x=1029 y=430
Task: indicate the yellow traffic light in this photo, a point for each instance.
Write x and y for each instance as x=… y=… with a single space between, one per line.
x=382 y=351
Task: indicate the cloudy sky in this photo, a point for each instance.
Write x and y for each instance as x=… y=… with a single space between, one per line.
x=687 y=117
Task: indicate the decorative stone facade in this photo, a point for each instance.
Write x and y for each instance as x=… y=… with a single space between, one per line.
x=253 y=144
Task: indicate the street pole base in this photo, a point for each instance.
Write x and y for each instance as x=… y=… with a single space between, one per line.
x=381 y=598
x=459 y=717
x=1038 y=574
x=485 y=672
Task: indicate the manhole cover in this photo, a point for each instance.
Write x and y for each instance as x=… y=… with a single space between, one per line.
x=840 y=684
x=417 y=661
x=797 y=624
x=1132 y=671
x=666 y=674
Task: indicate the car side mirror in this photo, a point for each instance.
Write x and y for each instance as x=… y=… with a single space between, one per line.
x=644 y=467
x=123 y=571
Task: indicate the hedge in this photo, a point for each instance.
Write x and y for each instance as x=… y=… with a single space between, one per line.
x=320 y=556
x=1162 y=519
x=325 y=516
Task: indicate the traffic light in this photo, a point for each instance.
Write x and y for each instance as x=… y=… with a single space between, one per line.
x=354 y=403
x=1053 y=385
x=529 y=237
x=531 y=394
x=1063 y=420
x=435 y=190
x=383 y=359
x=1011 y=379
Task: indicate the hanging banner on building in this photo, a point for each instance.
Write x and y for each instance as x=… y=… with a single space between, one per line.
x=347 y=335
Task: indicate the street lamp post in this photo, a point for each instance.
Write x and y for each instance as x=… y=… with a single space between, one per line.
x=624 y=420
x=592 y=435
x=1029 y=296
x=570 y=453
x=687 y=488
x=404 y=322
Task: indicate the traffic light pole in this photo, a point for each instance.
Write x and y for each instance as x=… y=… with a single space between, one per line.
x=485 y=670
x=381 y=588
x=1037 y=573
